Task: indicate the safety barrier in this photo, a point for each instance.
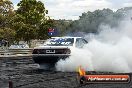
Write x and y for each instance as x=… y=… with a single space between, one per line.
x=16 y=52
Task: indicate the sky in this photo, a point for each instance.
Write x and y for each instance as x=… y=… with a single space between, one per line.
x=72 y=9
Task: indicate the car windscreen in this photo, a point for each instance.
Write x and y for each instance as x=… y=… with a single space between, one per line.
x=60 y=42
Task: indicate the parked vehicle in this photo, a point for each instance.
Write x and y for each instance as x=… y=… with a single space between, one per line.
x=19 y=46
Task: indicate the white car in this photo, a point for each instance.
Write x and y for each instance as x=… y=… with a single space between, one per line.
x=56 y=48
x=19 y=46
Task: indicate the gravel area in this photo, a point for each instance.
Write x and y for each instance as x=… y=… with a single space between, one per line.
x=25 y=74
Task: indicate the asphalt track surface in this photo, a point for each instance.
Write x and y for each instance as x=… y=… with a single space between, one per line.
x=23 y=73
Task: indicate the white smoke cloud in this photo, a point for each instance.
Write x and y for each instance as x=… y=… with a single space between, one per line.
x=78 y=57
x=110 y=50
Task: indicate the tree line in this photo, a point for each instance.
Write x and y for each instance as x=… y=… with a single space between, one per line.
x=89 y=22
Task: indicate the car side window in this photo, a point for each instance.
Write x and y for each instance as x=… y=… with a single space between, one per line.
x=80 y=42
x=84 y=41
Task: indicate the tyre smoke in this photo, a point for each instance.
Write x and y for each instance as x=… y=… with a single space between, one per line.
x=110 y=50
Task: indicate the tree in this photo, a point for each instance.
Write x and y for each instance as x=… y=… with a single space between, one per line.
x=32 y=11
x=7 y=34
x=43 y=29
x=90 y=22
x=30 y=16
x=6 y=13
x=62 y=26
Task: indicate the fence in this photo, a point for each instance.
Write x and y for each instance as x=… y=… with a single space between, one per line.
x=6 y=52
x=16 y=52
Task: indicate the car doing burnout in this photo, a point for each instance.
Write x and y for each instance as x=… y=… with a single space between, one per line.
x=56 y=48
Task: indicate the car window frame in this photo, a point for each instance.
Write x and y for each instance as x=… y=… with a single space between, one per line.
x=83 y=41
